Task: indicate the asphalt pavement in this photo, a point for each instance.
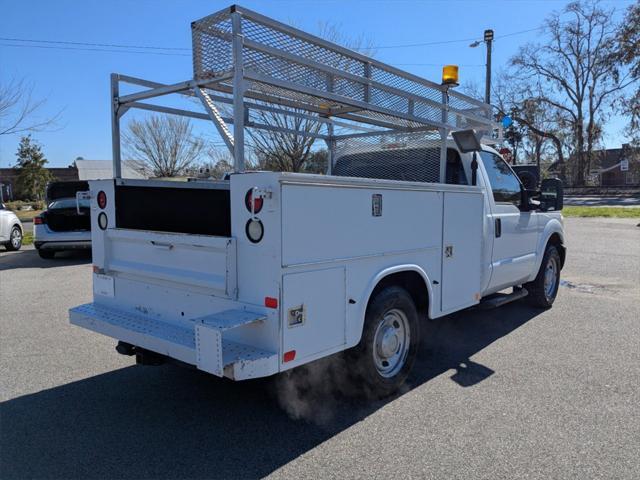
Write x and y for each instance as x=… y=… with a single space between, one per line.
x=508 y=393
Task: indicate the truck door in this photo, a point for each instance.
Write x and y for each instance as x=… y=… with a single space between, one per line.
x=515 y=232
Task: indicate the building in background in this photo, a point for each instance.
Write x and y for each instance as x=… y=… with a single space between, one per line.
x=81 y=169
x=615 y=167
x=102 y=169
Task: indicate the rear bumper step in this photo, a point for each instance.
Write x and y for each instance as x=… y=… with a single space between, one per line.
x=199 y=342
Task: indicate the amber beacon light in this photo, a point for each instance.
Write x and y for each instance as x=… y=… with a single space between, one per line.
x=450 y=75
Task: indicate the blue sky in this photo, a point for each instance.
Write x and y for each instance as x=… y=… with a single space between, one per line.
x=77 y=81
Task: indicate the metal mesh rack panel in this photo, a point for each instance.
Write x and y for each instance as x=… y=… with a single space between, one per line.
x=293 y=67
x=211 y=39
x=408 y=157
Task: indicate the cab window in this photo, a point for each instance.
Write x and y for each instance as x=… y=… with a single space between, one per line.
x=504 y=183
x=455 y=171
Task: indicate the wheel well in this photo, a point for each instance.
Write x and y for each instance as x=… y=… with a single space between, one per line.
x=413 y=283
x=556 y=241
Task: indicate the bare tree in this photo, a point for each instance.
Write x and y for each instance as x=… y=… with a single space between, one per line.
x=533 y=128
x=165 y=143
x=628 y=48
x=19 y=111
x=574 y=74
x=217 y=164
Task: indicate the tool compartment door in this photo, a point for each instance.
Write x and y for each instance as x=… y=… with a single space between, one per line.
x=313 y=312
x=194 y=260
x=461 y=250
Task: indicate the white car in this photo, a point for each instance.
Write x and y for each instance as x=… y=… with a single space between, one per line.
x=65 y=225
x=11 y=230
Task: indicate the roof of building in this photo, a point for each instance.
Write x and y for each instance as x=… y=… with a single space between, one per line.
x=103 y=169
x=606 y=160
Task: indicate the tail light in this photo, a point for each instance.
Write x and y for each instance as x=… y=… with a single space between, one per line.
x=38 y=220
x=254 y=230
x=102 y=199
x=256 y=203
x=103 y=221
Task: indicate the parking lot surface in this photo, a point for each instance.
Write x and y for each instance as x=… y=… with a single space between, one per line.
x=508 y=393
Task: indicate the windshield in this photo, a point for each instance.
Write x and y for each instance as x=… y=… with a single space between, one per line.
x=68 y=203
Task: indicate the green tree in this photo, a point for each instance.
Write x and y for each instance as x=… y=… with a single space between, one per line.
x=628 y=51
x=32 y=174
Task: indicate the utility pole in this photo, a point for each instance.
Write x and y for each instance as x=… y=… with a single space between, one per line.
x=488 y=40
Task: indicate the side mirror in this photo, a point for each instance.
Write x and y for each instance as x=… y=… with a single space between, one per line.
x=551 y=194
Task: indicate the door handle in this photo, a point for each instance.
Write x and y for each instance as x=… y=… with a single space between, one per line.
x=498 y=227
x=167 y=246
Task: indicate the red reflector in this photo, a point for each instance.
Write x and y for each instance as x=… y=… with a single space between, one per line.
x=270 y=302
x=257 y=203
x=102 y=199
x=37 y=221
x=289 y=356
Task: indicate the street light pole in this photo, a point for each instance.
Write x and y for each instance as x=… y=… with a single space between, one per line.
x=488 y=40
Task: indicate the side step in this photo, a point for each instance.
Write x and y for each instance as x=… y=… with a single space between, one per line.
x=499 y=299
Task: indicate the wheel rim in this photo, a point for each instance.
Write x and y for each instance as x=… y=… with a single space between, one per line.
x=391 y=343
x=16 y=238
x=550 y=277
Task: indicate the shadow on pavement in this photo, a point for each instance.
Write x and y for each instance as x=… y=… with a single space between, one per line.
x=172 y=422
x=28 y=258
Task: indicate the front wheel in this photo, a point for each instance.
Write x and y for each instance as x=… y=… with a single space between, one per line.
x=389 y=345
x=15 y=239
x=543 y=290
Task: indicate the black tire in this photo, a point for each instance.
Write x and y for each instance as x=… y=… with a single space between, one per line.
x=15 y=239
x=542 y=293
x=389 y=303
x=46 y=254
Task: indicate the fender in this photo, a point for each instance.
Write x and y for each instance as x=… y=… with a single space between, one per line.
x=554 y=225
x=354 y=331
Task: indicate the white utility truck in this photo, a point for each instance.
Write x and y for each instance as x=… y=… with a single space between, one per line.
x=417 y=217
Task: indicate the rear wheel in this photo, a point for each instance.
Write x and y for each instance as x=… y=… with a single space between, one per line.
x=48 y=254
x=543 y=290
x=15 y=239
x=389 y=345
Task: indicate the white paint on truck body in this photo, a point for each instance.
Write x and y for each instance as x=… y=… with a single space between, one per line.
x=327 y=242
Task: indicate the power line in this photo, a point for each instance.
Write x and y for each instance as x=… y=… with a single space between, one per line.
x=92 y=44
x=439 y=64
x=95 y=50
x=425 y=44
x=161 y=49
x=517 y=33
x=444 y=42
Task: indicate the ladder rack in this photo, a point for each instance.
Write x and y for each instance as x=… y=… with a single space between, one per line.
x=244 y=62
